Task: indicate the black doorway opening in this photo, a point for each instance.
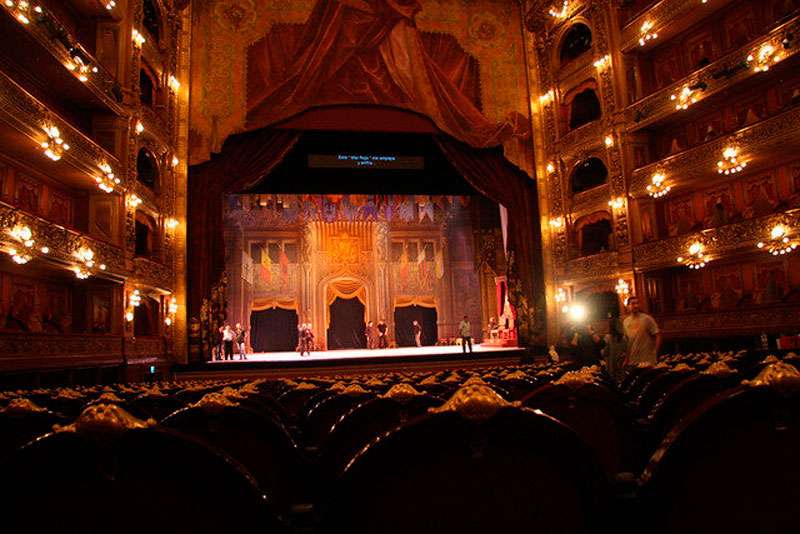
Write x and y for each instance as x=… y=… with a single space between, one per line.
x=273 y=330
x=346 y=330
x=404 y=316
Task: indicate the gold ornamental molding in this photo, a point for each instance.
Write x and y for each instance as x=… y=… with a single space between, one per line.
x=717 y=241
x=716 y=77
x=740 y=320
x=154 y=274
x=700 y=161
x=26 y=114
x=581 y=139
x=63 y=242
x=595 y=267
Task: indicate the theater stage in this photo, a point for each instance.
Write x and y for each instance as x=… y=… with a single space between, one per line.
x=323 y=362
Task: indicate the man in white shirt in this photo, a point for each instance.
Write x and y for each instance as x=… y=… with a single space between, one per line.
x=644 y=337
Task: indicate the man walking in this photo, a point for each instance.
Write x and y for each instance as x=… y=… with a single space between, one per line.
x=465 y=332
x=644 y=337
x=417 y=333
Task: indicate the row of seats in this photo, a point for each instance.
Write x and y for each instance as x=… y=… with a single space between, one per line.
x=526 y=447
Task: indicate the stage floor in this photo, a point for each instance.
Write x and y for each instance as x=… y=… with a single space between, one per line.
x=359 y=354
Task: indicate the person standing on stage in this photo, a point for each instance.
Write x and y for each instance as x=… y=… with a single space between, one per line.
x=417 y=333
x=308 y=339
x=372 y=335
x=228 y=336
x=220 y=344
x=465 y=331
x=241 y=336
x=383 y=342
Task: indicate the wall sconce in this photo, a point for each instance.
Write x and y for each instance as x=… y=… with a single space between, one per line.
x=560 y=13
x=546 y=98
x=108 y=181
x=171 y=311
x=55 y=146
x=646 y=34
x=85 y=256
x=622 y=288
x=603 y=62
x=21 y=9
x=730 y=162
x=22 y=235
x=550 y=167
x=560 y=295
x=172 y=223
x=80 y=66
x=696 y=258
x=138 y=38
x=609 y=140
x=134 y=200
x=779 y=242
x=175 y=161
x=557 y=223
x=766 y=54
x=111 y=4
x=658 y=188
x=139 y=127
x=617 y=203
x=685 y=98
x=174 y=83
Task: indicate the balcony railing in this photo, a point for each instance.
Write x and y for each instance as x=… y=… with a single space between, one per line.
x=740 y=321
x=720 y=75
x=775 y=135
x=29 y=116
x=63 y=242
x=44 y=27
x=724 y=240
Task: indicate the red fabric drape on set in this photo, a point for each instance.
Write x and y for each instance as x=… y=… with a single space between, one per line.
x=370 y=52
x=244 y=160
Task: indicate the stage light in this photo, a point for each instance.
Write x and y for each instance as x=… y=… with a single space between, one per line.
x=577 y=312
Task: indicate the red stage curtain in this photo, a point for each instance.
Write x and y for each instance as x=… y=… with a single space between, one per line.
x=244 y=160
x=370 y=52
x=497 y=179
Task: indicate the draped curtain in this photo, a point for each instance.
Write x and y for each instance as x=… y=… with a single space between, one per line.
x=345 y=288
x=267 y=304
x=370 y=52
x=244 y=160
x=497 y=179
x=424 y=302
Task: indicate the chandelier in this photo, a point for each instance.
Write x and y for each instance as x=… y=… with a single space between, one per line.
x=779 y=241
x=696 y=259
x=108 y=181
x=646 y=34
x=658 y=188
x=54 y=147
x=731 y=162
x=762 y=58
x=86 y=263
x=560 y=13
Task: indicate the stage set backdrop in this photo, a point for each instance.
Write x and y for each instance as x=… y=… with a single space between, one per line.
x=258 y=64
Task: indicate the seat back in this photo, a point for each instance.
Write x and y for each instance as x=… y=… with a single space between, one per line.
x=731 y=466
x=517 y=471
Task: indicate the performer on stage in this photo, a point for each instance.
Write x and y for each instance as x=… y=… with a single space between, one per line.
x=241 y=336
x=306 y=339
x=383 y=341
x=227 y=341
x=465 y=331
x=371 y=334
x=417 y=333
